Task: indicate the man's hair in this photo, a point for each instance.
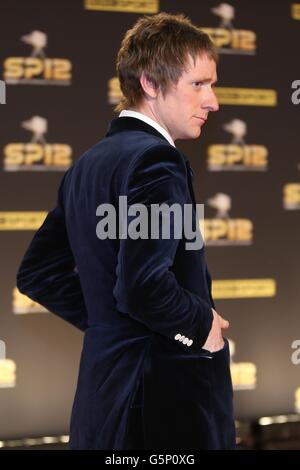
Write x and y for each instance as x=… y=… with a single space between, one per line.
x=159 y=46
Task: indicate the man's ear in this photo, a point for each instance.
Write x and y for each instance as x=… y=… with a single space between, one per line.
x=148 y=86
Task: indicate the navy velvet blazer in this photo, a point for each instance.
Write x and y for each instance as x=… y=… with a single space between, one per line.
x=136 y=300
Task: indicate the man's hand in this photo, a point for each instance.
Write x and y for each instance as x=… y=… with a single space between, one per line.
x=214 y=341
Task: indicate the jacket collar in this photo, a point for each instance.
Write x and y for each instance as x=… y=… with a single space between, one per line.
x=132 y=124
x=147 y=120
x=122 y=124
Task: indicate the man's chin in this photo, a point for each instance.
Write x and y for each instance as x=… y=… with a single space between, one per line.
x=196 y=133
x=192 y=134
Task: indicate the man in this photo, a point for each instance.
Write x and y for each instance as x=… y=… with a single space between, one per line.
x=154 y=370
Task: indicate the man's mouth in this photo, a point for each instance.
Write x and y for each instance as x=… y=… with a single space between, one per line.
x=202 y=120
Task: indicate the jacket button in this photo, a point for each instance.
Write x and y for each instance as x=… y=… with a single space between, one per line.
x=190 y=342
x=178 y=336
x=186 y=340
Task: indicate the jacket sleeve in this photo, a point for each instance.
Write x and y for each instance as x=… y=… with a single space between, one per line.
x=146 y=288
x=209 y=283
x=47 y=272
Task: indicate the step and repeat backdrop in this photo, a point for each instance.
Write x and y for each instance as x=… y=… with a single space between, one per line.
x=58 y=89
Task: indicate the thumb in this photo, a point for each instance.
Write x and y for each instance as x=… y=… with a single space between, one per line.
x=224 y=323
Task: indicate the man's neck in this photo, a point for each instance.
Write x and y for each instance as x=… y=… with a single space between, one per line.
x=143 y=116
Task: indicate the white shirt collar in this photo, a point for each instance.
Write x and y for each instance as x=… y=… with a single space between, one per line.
x=148 y=120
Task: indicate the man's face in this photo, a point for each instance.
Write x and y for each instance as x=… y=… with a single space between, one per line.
x=185 y=107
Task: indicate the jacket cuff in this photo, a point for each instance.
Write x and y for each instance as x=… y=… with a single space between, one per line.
x=193 y=343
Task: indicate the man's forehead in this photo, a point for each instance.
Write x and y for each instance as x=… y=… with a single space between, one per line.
x=201 y=64
x=199 y=60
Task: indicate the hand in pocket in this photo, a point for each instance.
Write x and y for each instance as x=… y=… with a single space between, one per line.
x=214 y=342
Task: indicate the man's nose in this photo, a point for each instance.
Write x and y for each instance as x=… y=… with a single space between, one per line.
x=210 y=102
x=213 y=103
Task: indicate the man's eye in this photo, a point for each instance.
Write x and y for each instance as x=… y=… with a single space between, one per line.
x=197 y=84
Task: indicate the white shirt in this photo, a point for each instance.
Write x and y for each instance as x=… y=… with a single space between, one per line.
x=148 y=120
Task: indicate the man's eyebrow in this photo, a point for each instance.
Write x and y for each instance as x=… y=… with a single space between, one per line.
x=206 y=80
